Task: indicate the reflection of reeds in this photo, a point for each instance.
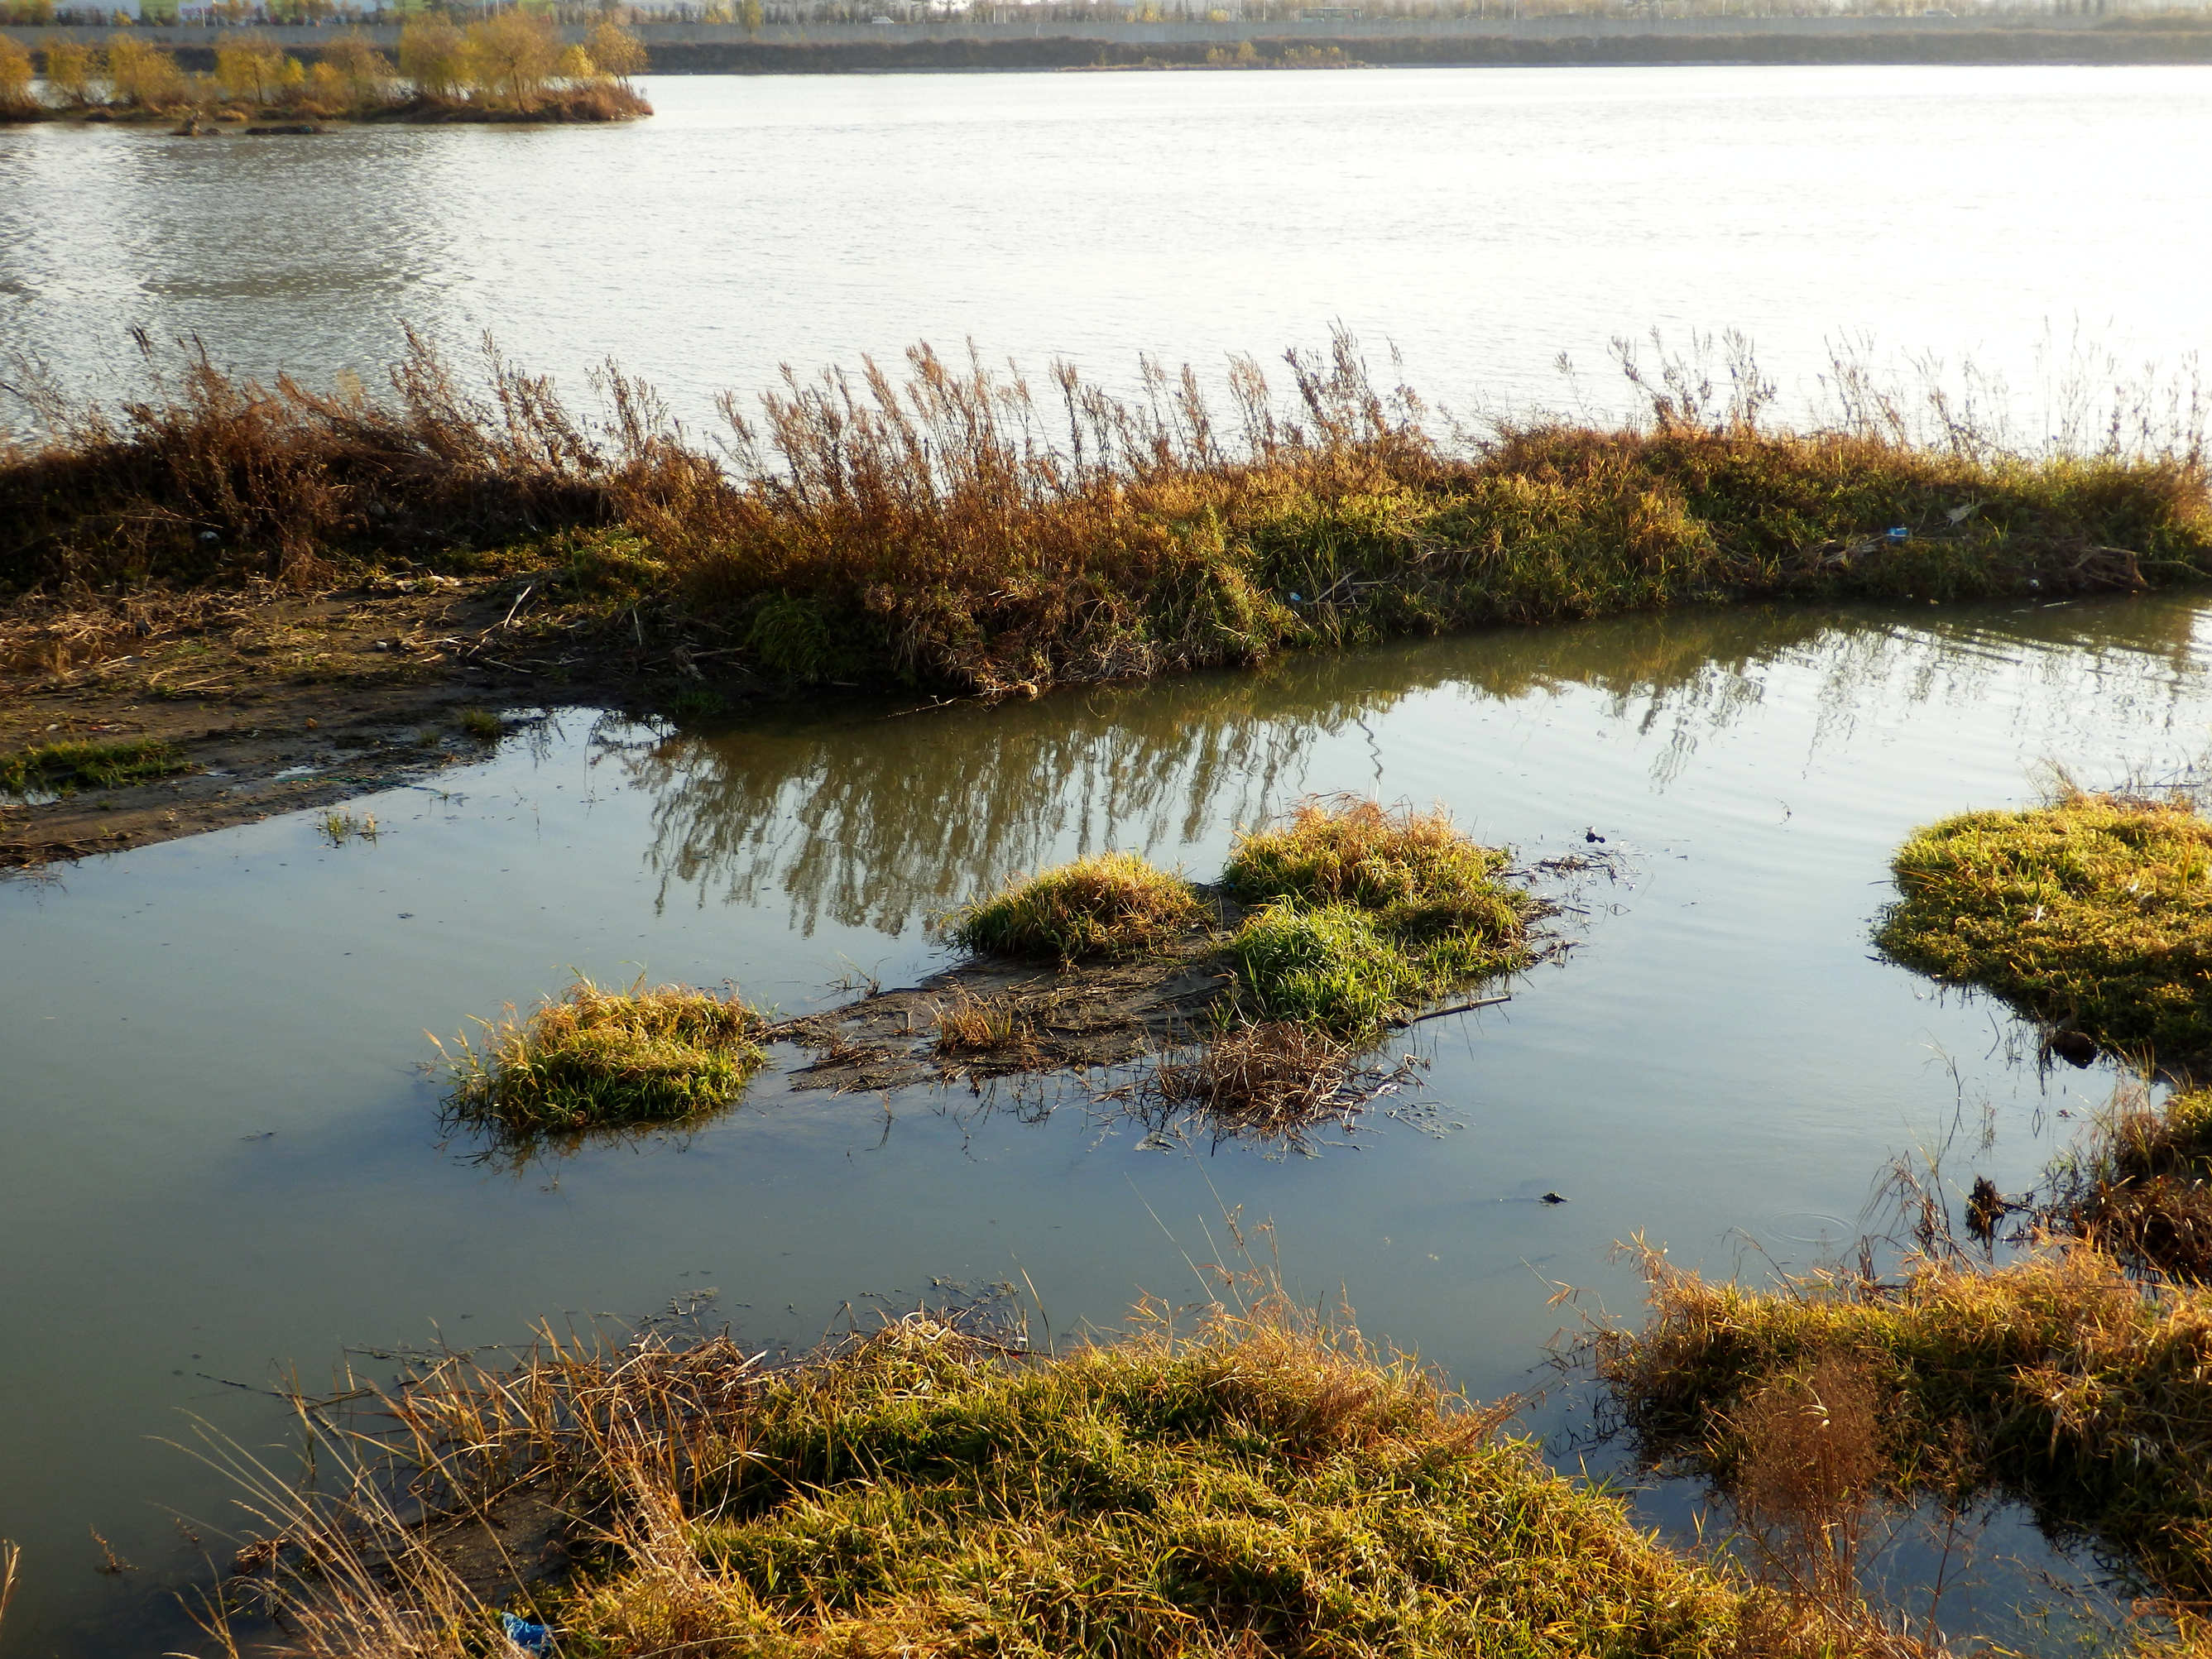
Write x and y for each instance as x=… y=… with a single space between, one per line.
x=10 y=1557
x=1272 y=1081
x=2057 y=1380
x=2141 y=1191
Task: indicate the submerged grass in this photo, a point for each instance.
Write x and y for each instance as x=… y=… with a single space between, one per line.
x=2094 y=911
x=2144 y=1190
x=2057 y=1380
x=1110 y=904
x=60 y=767
x=599 y=1059
x=952 y=529
x=1257 y=1483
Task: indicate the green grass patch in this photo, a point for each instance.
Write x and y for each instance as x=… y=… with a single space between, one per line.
x=480 y=724
x=60 y=767
x=2059 y=1381
x=1111 y=904
x=1364 y=912
x=2095 y=911
x=1252 y=1485
x=1321 y=965
x=598 y=1059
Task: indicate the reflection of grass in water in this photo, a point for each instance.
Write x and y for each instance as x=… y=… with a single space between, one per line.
x=2095 y=910
x=598 y=1059
x=2057 y=1381
x=859 y=823
x=2141 y=1189
x=61 y=767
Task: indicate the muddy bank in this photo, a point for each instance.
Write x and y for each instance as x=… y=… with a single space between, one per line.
x=279 y=702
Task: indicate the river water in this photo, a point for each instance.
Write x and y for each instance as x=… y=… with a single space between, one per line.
x=2033 y=221
x=223 y=1161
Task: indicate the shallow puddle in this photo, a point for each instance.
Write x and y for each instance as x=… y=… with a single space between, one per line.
x=224 y=1160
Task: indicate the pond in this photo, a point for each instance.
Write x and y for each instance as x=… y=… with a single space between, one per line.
x=226 y=1166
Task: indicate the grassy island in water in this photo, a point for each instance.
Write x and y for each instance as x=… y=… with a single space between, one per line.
x=507 y=66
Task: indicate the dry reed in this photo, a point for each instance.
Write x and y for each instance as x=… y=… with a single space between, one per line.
x=1254 y=1481
x=957 y=528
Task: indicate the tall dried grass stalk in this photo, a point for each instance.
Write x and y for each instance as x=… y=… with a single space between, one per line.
x=957 y=526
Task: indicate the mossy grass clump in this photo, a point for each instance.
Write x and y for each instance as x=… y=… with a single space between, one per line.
x=1321 y=965
x=594 y=1059
x=1365 y=912
x=59 y=766
x=1230 y=1487
x=2094 y=911
x=1110 y=904
x=2058 y=1380
x=2144 y=1190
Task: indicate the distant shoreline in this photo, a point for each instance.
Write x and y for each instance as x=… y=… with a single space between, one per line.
x=1963 y=47
x=1592 y=42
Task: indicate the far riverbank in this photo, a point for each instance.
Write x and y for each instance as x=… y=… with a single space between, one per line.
x=1549 y=42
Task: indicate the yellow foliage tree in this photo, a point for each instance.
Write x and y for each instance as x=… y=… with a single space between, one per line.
x=576 y=66
x=15 y=96
x=513 y=54
x=71 y=67
x=434 y=55
x=141 y=75
x=365 y=74
x=249 y=68
x=615 y=50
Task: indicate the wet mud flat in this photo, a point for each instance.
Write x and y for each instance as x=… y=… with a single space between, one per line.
x=992 y=1017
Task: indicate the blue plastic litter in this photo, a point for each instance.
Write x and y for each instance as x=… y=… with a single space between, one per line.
x=1295 y=599
x=531 y=1639
x=1899 y=532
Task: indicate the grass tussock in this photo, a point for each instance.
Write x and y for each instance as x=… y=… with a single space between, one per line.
x=2095 y=912
x=595 y=1059
x=1365 y=913
x=57 y=767
x=2058 y=1380
x=957 y=528
x=2144 y=1190
x=1110 y=904
x=1259 y=1483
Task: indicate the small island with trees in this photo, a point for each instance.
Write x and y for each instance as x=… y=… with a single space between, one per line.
x=510 y=66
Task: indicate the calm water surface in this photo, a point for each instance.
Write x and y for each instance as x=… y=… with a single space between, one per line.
x=1485 y=220
x=223 y=1161
x=222 y=1156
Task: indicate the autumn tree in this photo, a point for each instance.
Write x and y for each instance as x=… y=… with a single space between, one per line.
x=615 y=50
x=513 y=54
x=434 y=55
x=71 y=68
